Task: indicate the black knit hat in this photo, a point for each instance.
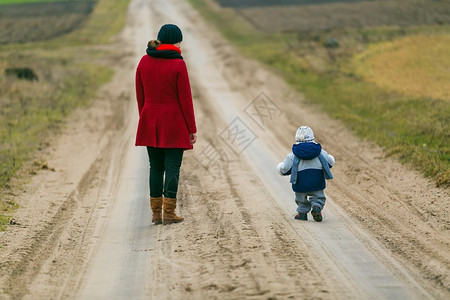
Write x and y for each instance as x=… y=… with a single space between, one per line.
x=170 y=34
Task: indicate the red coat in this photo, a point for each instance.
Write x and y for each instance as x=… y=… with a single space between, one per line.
x=166 y=111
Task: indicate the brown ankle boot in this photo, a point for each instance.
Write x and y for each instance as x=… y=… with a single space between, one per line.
x=169 y=215
x=156 y=205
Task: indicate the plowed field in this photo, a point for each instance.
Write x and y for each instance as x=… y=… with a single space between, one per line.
x=40 y=21
x=307 y=15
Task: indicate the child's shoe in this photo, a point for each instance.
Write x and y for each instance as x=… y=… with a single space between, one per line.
x=316 y=213
x=301 y=216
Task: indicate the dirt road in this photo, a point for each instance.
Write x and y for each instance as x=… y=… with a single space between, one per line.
x=85 y=233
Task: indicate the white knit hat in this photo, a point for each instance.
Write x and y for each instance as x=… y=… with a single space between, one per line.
x=304 y=134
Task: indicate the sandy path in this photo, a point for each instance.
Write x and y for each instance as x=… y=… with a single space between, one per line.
x=90 y=220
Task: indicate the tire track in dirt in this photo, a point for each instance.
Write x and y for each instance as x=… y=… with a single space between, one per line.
x=33 y=256
x=222 y=250
x=230 y=252
x=103 y=183
x=60 y=208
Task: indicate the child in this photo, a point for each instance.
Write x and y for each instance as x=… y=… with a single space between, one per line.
x=309 y=165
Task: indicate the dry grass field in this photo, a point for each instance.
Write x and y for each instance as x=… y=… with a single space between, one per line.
x=409 y=66
x=28 y=22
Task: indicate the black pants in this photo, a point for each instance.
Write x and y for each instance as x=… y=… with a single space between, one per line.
x=165 y=166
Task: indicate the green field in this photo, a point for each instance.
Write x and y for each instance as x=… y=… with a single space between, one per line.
x=69 y=72
x=354 y=73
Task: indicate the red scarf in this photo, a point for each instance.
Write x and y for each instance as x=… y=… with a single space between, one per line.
x=163 y=47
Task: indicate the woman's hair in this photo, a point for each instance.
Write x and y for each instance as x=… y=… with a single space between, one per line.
x=154 y=43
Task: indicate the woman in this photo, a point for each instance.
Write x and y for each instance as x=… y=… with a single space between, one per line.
x=166 y=119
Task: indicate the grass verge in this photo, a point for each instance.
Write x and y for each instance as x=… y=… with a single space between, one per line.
x=69 y=72
x=332 y=70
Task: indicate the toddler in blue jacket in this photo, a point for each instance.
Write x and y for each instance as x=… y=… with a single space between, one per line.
x=309 y=166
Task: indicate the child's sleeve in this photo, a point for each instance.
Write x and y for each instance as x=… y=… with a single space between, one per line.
x=329 y=158
x=284 y=168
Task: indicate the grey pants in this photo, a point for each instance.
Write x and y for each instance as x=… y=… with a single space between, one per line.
x=306 y=200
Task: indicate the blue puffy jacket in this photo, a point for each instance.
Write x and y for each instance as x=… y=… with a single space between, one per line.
x=310 y=171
